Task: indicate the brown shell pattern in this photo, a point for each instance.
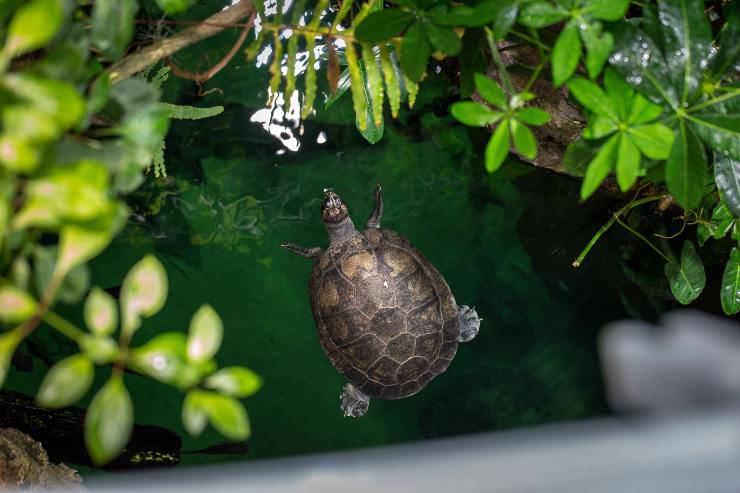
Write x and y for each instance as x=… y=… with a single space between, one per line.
x=385 y=317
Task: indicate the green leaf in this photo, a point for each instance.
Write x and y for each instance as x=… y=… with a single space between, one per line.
x=730 y=293
x=565 y=54
x=490 y=90
x=206 y=333
x=175 y=6
x=474 y=114
x=600 y=167
x=727 y=178
x=415 y=51
x=643 y=111
x=721 y=131
x=143 y=292
x=55 y=98
x=442 y=38
x=164 y=358
x=533 y=116
x=8 y=344
x=179 y=112
x=103 y=350
x=226 y=415
x=599 y=126
x=619 y=93
x=113 y=26
x=506 y=14
x=729 y=49
x=101 y=314
x=655 y=140
x=686 y=168
x=628 y=163
x=109 y=422
x=498 y=146
x=15 y=305
x=524 y=141
x=78 y=244
x=66 y=382
x=383 y=25
x=605 y=10
x=75 y=283
x=235 y=381
x=540 y=14
x=592 y=97
x=578 y=155
x=33 y=25
x=194 y=412
x=598 y=48
x=722 y=220
x=687 y=278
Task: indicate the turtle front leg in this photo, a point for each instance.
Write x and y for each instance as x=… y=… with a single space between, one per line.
x=469 y=323
x=303 y=251
x=353 y=402
x=374 y=220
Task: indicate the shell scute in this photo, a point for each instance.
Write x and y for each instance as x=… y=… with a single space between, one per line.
x=412 y=369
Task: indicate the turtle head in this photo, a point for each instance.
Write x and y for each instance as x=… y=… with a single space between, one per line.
x=333 y=208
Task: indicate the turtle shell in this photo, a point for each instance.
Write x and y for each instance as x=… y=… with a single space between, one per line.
x=385 y=316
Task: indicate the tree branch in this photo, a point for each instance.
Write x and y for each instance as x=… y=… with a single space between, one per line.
x=145 y=57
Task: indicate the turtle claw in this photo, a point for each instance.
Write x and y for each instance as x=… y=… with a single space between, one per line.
x=353 y=402
x=469 y=323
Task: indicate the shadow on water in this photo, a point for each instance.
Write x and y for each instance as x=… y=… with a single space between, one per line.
x=504 y=243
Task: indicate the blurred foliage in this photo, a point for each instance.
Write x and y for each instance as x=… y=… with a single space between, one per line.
x=72 y=145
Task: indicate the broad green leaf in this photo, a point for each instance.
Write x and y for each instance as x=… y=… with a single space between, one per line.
x=592 y=97
x=103 y=350
x=57 y=99
x=175 y=6
x=8 y=343
x=391 y=78
x=533 y=116
x=101 y=313
x=33 y=25
x=729 y=49
x=383 y=25
x=235 y=381
x=78 y=244
x=628 y=163
x=357 y=87
x=415 y=51
x=501 y=13
x=688 y=43
x=474 y=114
x=113 y=26
x=490 y=91
x=507 y=12
x=722 y=220
x=540 y=14
x=442 y=38
x=687 y=277
x=165 y=359
x=598 y=48
x=143 y=292
x=498 y=146
x=654 y=140
x=15 y=305
x=226 y=415
x=565 y=54
x=206 y=333
x=524 y=141
x=730 y=293
x=685 y=168
x=5 y=195
x=727 y=178
x=373 y=83
x=721 y=131
x=194 y=412
x=599 y=126
x=18 y=155
x=75 y=283
x=605 y=10
x=619 y=93
x=578 y=155
x=66 y=382
x=643 y=111
x=109 y=421
x=600 y=167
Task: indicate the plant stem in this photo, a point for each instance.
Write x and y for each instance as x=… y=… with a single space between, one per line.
x=500 y=68
x=534 y=76
x=63 y=326
x=615 y=217
x=713 y=101
x=527 y=37
x=636 y=233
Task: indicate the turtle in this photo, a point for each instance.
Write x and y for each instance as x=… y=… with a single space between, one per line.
x=385 y=316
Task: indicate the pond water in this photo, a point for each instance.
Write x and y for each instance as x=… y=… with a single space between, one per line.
x=505 y=242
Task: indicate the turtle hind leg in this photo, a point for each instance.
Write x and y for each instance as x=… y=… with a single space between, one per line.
x=469 y=323
x=353 y=402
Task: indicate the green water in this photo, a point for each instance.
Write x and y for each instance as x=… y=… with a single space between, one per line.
x=504 y=243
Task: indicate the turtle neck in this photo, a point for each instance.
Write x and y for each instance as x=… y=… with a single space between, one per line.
x=340 y=232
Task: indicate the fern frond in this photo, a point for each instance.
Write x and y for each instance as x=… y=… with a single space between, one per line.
x=374 y=82
x=316 y=18
x=254 y=47
x=357 y=86
x=412 y=88
x=275 y=68
x=160 y=77
x=290 y=74
x=392 y=84
x=189 y=112
x=310 y=78
x=343 y=11
x=160 y=171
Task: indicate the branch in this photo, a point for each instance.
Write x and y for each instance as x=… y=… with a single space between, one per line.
x=155 y=52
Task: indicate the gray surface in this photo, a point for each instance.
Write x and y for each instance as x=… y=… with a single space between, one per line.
x=699 y=453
